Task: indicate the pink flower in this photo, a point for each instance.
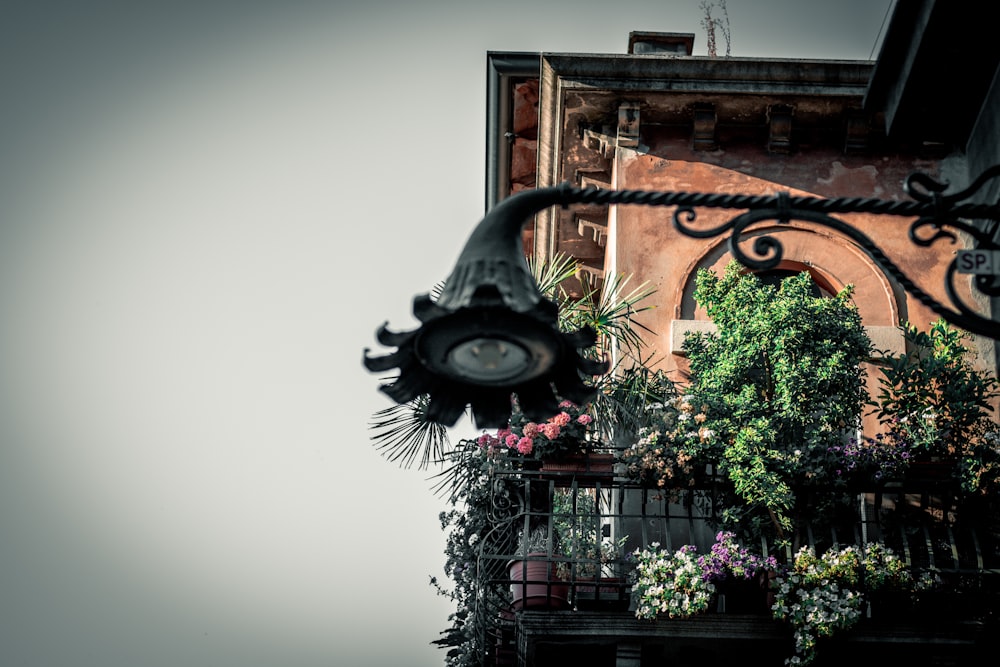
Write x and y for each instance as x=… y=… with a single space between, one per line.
x=561 y=419
x=566 y=404
x=512 y=440
x=584 y=419
x=550 y=430
x=486 y=440
x=524 y=445
x=531 y=429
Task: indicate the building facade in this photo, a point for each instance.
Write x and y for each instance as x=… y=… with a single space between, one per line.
x=657 y=118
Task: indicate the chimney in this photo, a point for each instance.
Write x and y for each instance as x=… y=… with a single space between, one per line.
x=660 y=43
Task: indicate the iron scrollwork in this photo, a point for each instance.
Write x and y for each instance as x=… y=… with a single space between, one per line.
x=938 y=216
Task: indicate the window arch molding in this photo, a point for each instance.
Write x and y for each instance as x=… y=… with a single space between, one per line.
x=833 y=262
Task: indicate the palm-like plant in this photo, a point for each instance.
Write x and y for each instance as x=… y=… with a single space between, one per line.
x=630 y=386
x=403 y=433
x=608 y=309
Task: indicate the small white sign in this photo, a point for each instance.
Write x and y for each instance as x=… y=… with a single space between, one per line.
x=982 y=262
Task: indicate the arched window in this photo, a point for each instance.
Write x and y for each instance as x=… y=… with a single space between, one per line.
x=774 y=277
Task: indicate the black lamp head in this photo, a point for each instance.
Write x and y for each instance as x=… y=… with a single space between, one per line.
x=491 y=334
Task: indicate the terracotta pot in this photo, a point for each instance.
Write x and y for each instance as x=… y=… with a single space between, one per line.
x=533 y=584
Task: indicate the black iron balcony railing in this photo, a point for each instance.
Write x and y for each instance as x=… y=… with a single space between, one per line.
x=544 y=572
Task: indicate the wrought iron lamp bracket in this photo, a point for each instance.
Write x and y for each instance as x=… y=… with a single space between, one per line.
x=491 y=334
x=937 y=217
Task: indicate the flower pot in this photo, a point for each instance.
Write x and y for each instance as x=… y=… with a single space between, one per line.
x=606 y=593
x=586 y=468
x=887 y=607
x=743 y=596
x=533 y=584
x=934 y=476
x=931 y=470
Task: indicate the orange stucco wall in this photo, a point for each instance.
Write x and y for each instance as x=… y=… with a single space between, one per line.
x=644 y=244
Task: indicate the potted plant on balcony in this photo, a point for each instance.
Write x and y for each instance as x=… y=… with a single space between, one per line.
x=594 y=568
x=937 y=407
x=782 y=384
x=822 y=595
x=535 y=580
x=685 y=583
x=670 y=584
x=741 y=577
x=563 y=443
x=674 y=449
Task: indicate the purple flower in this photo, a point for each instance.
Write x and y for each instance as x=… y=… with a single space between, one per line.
x=728 y=560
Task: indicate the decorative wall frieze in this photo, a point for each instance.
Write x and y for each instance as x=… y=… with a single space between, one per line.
x=624 y=133
x=628 y=125
x=603 y=140
x=593 y=225
x=590 y=276
x=857 y=133
x=593 y=178
x=703 y=130
x=779 y=118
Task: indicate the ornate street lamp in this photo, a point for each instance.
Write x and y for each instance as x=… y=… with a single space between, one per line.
x=491 y=334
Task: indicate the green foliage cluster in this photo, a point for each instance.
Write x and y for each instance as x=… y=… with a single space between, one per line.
x=935 y=402
x=478 y=522
x=783 y=383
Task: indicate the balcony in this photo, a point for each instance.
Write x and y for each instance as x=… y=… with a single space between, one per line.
x=565 y=603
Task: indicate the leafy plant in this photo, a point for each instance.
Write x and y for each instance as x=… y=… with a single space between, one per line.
x=933 y=401
x=610 y=310
x=728 y=560
x=783 y=384
x=873 y=459
x=402 y=433
x=480 y=521
x=628 y=398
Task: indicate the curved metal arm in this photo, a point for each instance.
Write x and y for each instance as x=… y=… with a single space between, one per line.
x=938 y=217
x=491 y=334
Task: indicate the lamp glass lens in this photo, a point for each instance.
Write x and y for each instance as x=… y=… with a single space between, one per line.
x=489 y=359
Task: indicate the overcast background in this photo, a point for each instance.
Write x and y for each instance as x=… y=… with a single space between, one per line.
x=206 y=209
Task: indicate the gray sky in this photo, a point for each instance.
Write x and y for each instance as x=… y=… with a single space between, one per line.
x=206 y=209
